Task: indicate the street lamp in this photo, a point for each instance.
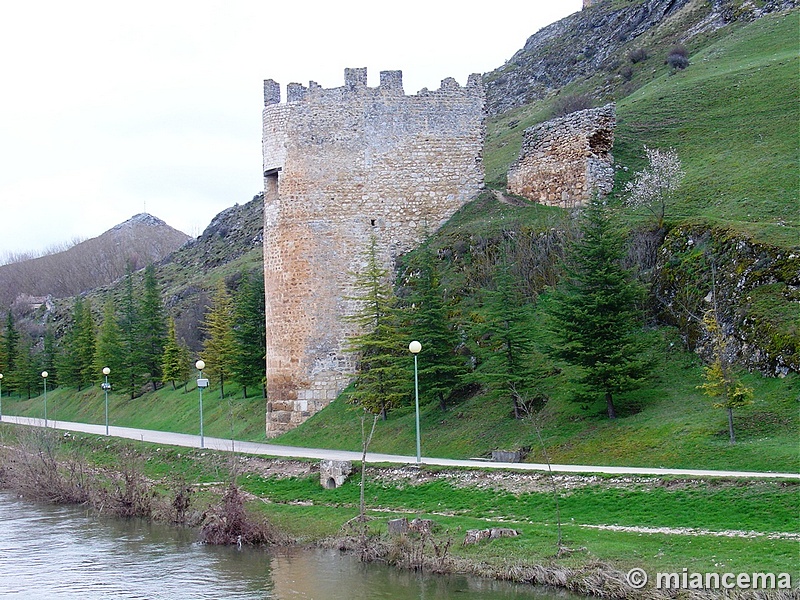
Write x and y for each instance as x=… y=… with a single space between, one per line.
x=106 y=386
x=415 y=347
x=44 y=379
x=201 y=383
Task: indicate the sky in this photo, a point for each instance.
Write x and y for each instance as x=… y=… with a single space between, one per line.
x=110 y=108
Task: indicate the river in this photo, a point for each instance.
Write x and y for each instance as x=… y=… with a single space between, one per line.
x=52 y=552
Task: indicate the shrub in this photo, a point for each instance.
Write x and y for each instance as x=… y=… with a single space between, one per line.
x=678 y=57
x=638 y=55
x=571 y=103
x=627 y=73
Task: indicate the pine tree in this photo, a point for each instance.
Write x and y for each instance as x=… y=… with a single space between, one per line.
x=85 y=338
x=595 y=312
x=175 y=359
x=250 y=332
x=109 y=349
x=25 y=376
x=132 y=368
x=219 y=348
x=49 y=355
x=507 y=364
x=8 y=349
x=383 y=380
x=441 y=368
x=75 y=361
x=151 y=327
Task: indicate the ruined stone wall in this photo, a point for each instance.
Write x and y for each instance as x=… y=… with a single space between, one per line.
x=342 y=165
x=564 y=161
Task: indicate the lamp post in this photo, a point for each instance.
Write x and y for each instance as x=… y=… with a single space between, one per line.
x=44 y=379
x=415 y=347
x=201 y=383
x=106 y=386
x=1 y=396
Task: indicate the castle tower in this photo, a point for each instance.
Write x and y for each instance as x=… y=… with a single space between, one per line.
x=343 y=165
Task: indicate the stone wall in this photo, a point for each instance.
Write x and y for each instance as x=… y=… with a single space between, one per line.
x=564 y=161
x=342 y=165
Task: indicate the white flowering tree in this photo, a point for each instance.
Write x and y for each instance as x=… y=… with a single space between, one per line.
x=654 y=186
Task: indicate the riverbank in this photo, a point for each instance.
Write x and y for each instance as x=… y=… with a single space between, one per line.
x=609 y=524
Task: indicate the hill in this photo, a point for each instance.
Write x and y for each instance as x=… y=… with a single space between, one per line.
x=140 y=240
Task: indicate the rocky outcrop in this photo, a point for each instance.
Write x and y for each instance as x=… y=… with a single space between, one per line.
x=586 y=41
x=756 y=288
x=594 y=39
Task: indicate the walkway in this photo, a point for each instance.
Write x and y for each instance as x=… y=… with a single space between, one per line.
x=274 y=450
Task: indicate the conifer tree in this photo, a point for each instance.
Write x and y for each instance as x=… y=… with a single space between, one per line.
x=25 y=376
x=383 y=381
x=175 y=359
x=86 y=340
x=250 y=332
x=595 y=312
x=507 y=364
x=219 y=348
x=151 y=327
x=129 y=329
x=440 y=367
x=75 y=362
x=109 y=349
x=49 y=355
x=8 y=349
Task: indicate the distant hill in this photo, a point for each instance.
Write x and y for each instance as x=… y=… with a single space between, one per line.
x=96 y=262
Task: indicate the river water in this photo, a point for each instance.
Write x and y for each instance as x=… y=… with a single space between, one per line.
x=53 y=552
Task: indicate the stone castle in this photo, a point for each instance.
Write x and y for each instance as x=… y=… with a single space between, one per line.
x=344 y=166
x=566 y=160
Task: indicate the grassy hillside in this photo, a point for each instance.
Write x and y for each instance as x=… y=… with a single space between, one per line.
x=732 y=115
x=668 y=424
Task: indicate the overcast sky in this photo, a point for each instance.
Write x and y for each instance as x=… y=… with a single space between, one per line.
x=109 y=109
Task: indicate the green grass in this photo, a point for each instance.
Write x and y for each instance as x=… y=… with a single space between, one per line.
x=669 y=423
x=732 y=116
x=713 y=506
x=165 y=410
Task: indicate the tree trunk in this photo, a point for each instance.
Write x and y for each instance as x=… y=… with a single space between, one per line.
x=730 y=426
x=442 y=402
x=612 y=413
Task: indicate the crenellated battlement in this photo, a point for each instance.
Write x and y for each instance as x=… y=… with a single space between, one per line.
x=343 y=166
x=355 y=82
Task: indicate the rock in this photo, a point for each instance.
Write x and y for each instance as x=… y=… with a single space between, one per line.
x=397 y=526
x=422 y=525
x=475 y=536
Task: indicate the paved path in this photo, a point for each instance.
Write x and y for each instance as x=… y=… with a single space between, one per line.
x=193 y=441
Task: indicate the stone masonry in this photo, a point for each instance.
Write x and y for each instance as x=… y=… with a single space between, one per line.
x=564 y=161
x=342 y=166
